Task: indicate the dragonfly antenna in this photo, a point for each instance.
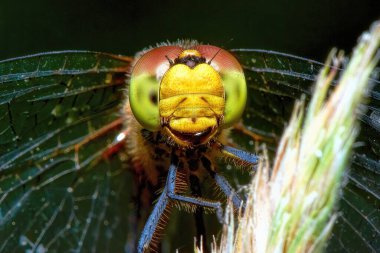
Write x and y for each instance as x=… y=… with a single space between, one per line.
x=209 y=62
x=169 y=60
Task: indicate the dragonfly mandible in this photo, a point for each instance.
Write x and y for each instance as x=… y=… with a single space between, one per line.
x=63 y=181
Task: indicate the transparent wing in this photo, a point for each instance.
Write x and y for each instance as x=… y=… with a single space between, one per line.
x=52 y=197
x=275 y=80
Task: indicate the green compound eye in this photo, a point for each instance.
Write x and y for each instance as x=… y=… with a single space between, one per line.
x=143 y=98
x=234 y=84
x=145 y=82
x=235 y=95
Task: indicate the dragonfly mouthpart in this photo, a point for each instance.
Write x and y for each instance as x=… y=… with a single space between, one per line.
x=193 y=118
x=192 y=131
x=194 y=138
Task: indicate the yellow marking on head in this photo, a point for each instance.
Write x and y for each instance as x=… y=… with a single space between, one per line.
x=190 y=52
x=182 y=80
x=197 y=124
x=191 y=105
x=191 y=101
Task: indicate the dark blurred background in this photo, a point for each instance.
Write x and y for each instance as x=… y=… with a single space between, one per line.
x=306 y=28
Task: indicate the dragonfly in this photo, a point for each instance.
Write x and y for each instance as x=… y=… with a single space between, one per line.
x=69 y=152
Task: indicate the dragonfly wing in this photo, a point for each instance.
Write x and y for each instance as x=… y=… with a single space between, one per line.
x=51 y=196
x=275 y=80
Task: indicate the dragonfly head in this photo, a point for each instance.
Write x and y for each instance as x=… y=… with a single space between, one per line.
x=191 y=94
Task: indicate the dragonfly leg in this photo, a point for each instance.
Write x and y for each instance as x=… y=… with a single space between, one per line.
x=153 y=223
x=223 y=184
x=238 y=155
x=163 y=204
x=255 y=136
x=170 y=184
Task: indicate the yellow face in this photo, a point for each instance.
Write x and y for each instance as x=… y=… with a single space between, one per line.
x=191 y=102
x=185 y=98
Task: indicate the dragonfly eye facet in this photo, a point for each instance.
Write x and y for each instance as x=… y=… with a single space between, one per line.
x=145 y=82
x=233 y=79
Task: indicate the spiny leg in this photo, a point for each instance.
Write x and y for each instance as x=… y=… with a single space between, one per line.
x=191 y=200
x=238 y=155
x=168 y=194
x=223 y=184
x=260 y=136
x=242 y=158
x=152 y=225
